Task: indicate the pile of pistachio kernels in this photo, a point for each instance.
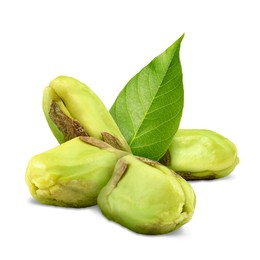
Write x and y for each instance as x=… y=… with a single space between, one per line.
x=94 y=165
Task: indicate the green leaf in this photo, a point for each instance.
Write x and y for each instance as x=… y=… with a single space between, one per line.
x=149 y=108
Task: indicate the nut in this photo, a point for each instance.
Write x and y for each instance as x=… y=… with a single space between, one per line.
x=147 y=197
x=73 y=173
x=198 y=154
x=72 y=109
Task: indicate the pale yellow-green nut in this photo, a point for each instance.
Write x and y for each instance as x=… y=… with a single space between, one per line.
x=72 y=109
x=147 y=197
x=73 y=173
x=200 y=154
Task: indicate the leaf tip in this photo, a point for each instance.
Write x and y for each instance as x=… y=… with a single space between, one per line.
x=181 y=38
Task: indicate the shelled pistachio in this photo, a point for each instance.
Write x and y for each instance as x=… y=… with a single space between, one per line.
x=146 y=197
x=73 y=173
x=198 y=154
x=72 y=109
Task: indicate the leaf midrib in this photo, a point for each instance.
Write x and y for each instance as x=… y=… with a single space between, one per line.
x=141 y=122
x=164 y=123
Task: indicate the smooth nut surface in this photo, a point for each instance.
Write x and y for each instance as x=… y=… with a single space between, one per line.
x=72 y=109
x=201 y=154
x=147 y=198
x=73 y=173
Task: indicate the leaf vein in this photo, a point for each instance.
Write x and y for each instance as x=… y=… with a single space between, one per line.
x=153 y=98
x=159 y=125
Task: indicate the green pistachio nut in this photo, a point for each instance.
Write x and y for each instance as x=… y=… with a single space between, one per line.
x=73 y=173
x=199 y=154
x=146 y=197
x=72 y=109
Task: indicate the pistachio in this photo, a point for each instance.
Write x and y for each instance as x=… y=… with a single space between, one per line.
x=146 y=197
x=72 y=109
x=199 y=154
x=73 y=173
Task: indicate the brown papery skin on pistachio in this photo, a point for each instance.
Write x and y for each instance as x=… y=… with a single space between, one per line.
x=70 y=128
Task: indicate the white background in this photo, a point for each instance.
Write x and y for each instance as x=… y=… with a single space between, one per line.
x=104 y=44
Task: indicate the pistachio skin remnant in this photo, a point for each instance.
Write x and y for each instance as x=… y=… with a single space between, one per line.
x=72 y=109
x=200 y=154
x=73 y=173
x=147 y=197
